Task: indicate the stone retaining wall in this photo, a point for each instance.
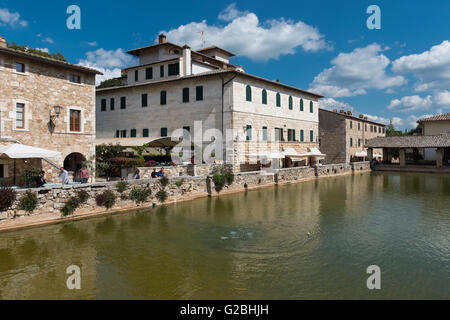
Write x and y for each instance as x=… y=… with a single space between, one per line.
x=179 y=189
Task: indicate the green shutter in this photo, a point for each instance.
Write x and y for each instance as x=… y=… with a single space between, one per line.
x=163 y=98
x=291 y=103
x=311 y=136
x=293 y=135
x=161 y=71
x=123 y=103
x=149 y=73
x=249 y=133
x=301 y=105
x=103 y=108
x=136 y=75
x=264 y=96
x=145 y=133
x=163 y=132
x=249 y=93
x=264 y=133
x=278 y=100
x=302 y=136
x=186 y=95
x=117 y=133
x=351 y=124
x=144 y=100
x=199 y=93
x=113 y=101
x=351 y=142
x=133 y=133
x=311 y=107
x=281 y=135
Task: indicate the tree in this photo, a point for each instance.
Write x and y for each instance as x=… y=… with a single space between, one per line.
x=114 y=82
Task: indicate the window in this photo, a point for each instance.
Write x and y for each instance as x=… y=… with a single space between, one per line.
x=359 y=142
x=311 y=136
x=291 y=135
x=248 y=94
x=112 y=103
x=163 y=132
x=103 y=107
x=278 y=100
x=174 y=69
x=136 y=75
x=302 y=136
x=75 y=120
x=379 y=130
x=2 y=171
x=351 y=142
x=248 y=133
x=144 y=100
x=199 y=93
x=291 y=103
x=301 y=105
x=365 y=127
x=149 y=73
x=384 y=130
x=351 y=124
x=123 y=103
x=74 y=78
x=311 y=107
x=163 y=98
x=161 y=71
x=359 y=126
x=145 y=133
x=278 y=134
x=133 y=133
x=281 y=135
x=20 y=67
x=117 y=133
x=264 y=133
x=20 y=116
x=185 y=95
x=264 y=96
x=123 y=133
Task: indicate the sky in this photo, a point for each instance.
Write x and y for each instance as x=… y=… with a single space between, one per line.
x=398 y=73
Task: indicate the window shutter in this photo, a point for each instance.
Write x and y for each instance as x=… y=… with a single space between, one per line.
x=186 y=95
x=301 y=105
x=248 y=94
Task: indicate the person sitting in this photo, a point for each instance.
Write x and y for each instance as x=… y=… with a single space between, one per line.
x=40 y=180
x=154 y=174
x=137 y=174
x=161 y=173
x=64 y=175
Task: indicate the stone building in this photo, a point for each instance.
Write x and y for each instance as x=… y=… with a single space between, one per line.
x=45 y=103
x=433 y=126
x=173 y=87
x=344 y=137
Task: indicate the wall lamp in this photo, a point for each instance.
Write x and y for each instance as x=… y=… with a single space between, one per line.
x=56 y=113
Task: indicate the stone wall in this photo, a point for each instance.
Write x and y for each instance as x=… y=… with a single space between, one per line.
x=51 y=200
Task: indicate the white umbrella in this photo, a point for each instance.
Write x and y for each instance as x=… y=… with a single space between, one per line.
x=21 y=151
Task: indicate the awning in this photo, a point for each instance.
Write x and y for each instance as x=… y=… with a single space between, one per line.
x=267 y=155
x=313 y=153
x=362 y=154
x=21 y=151
x=377 y=155
x=290 y=152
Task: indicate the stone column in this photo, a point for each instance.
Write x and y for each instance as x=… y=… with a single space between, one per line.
x=439 y=157
x=370 y=154
x=402 y=157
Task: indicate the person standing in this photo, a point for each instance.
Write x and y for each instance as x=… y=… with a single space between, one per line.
x=85 y=175
x=40 y=180
x=137 y=174
x=64 y=176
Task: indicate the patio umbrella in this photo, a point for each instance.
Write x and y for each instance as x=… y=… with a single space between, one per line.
x=21 y=151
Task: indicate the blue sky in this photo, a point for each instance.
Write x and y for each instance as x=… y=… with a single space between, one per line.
x=399 y=73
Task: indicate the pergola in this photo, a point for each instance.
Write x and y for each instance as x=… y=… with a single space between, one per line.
x=440 y=142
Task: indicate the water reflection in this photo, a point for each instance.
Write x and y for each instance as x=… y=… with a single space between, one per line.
x=306 y=241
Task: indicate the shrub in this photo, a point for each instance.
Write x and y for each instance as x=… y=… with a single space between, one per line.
x=29 y=176
x=179 y=183
x=106 y=199
x=7 y=198
x=229 y=177
x=28 y=202
x=70 y=206
x=139 y=195
x=219 y=181
x=122 y=186
x=164 y=181
x=222 y=177
x=83 y=196
x=162 y=195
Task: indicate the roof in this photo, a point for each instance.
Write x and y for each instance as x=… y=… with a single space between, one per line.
x=353 y=117
x=212 y=73
x=211 y=48
x=36 y=57
x=137 y=51
x=439 y=141
x=441 y=117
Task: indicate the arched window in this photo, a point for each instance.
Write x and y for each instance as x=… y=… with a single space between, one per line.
x=278 y=100
x=301 y=105
x=291 y=103
x=311 y=107
x=264 y=96
x=249 y=93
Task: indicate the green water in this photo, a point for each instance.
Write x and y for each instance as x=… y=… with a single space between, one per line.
x=312 y=240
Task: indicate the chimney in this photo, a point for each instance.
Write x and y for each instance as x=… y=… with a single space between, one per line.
x=187 y=61
x=349 y=113
x=342 y=111
x=361 y=116
x=3 y=43
x=366 y=118
x=162 y=39
x=277 y=81
x=335 y=110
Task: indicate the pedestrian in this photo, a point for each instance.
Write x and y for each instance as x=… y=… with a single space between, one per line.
x=40 y=180
x=64 y=175
x=161 y=173
x=137 y=175
x=154 y=174
x=85 y=175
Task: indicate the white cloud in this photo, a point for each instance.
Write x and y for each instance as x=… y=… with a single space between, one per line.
x=442 y=98
x=92 y=44
x=109 y=62
x=245 y=35
x=431 y=67
x=410 y=103
x=43 y=50
x=379 y=119
x=355 y=72
x=11 y=19
x=46 y=39
x=396 y=121
x=331 y=104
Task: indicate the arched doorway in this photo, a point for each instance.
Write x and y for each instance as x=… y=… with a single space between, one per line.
x=74 y=161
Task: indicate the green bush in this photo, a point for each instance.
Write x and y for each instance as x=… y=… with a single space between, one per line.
x=222 y=177
x=162 y=195
x=83 y=196
x=122 y=186
x=28 y=202
x=179 y=183
x=164 y=181
x=106 y=199
x=29 y=176
x=70 y=206
x=139 y=195
x=7 y=198
x=219 y=181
